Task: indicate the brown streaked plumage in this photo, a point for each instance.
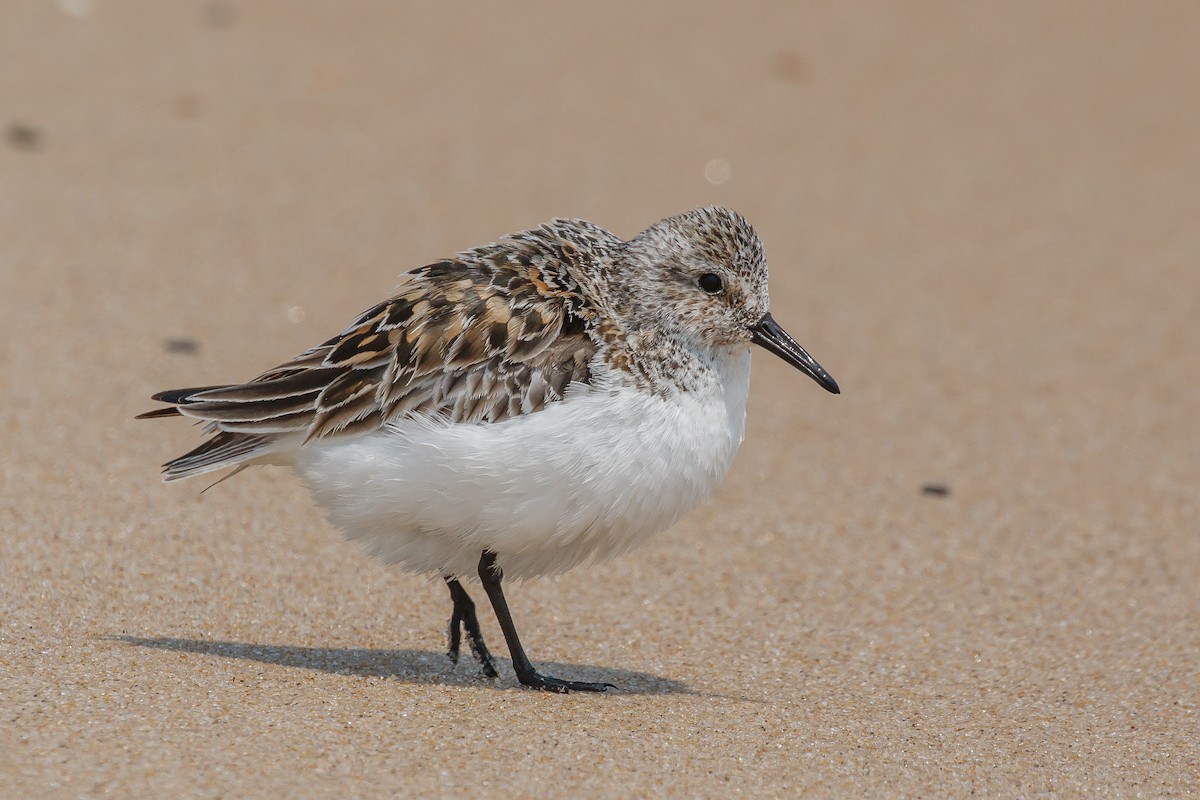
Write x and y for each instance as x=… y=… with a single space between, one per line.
x=498 y=331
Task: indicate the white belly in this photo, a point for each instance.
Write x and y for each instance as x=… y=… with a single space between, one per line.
x=586 y=478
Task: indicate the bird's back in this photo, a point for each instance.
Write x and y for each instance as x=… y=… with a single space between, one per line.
x=497 y=332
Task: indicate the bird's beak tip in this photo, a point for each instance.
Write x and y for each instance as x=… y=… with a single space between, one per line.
x=770 y=336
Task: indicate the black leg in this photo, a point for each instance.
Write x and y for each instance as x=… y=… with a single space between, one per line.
x=491 y=576
x=462 y=617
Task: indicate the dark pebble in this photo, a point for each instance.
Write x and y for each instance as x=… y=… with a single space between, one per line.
x=181 y=346
x=23 y=137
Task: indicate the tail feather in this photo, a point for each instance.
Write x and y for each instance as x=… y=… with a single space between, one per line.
x=223 y=450
x=178 y=396
x=170 y=411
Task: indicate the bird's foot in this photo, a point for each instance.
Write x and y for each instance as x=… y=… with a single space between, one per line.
x=545 y=683
x=480 y=651
x=467 y=621
x=455 y=638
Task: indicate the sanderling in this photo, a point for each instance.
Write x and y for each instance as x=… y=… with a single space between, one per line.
x=548 y=400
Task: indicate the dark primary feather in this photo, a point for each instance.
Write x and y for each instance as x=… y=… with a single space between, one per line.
x=497 y=332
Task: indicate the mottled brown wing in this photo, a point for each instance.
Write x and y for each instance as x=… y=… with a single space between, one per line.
x=477 y=341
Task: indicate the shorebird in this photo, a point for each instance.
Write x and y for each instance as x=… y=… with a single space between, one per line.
x=548 y=400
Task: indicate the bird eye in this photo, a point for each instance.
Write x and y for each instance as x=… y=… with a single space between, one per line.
x=710 y=282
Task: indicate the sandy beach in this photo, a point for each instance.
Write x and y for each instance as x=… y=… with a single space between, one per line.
x=975 y=572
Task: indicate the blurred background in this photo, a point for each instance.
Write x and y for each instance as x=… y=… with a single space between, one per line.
x=977 y=569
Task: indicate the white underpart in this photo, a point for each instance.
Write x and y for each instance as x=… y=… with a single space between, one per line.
x=587 y=478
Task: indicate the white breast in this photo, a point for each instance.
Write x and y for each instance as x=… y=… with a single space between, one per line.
x=586 y=478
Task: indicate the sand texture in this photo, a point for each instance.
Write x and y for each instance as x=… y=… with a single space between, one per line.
x=982 y=218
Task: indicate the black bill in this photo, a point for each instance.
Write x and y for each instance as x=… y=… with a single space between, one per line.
x=769 y=335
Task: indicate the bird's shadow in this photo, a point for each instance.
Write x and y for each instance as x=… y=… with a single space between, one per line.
x=410 y=666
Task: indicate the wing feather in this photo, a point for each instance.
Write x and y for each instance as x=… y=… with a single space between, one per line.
x=495 y=333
